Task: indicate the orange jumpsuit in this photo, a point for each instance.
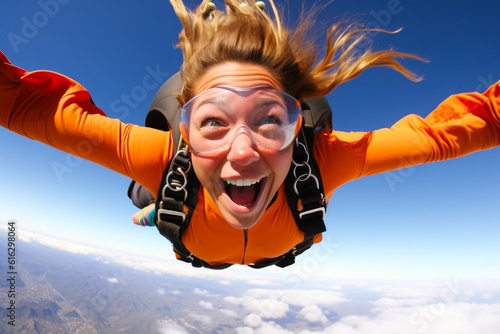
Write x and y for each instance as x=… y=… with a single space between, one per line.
x=53 y=109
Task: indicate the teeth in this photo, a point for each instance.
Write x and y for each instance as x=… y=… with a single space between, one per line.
x=242 y=182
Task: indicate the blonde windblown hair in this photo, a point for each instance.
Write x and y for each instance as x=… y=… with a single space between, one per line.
x=245 y=33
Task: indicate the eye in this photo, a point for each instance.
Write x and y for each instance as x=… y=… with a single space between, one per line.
x=210 y=121
x=270 y=112
x=271 y=120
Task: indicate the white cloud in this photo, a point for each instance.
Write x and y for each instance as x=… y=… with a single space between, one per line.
x=485 y=289
x=265 y=307
x=152 y=264
x=168 y=328
x=388 y=307
x=206 y=305
x=260 y=282
x=228 y=313
x=456 y=318
x=335 y=287
x=313 y=313
x=64 y=245
x=252 y=320
x=161 y=292
x=417 y=289
x=300 y=297
x=394 y=302
x=274 y=304
x=201 y=318
x=418 y=293
x=200 y=292
x=265 y=328
x=431 y=307
x=244 y=330
x=317 y=297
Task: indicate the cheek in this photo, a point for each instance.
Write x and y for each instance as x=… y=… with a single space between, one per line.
x=280 y=164
x=205 y=170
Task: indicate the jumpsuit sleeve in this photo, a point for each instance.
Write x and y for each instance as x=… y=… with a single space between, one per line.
x=461 y=124
x=53 y=109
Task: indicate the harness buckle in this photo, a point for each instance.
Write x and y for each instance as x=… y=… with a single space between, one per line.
x=308 y=212
x=168 y=187
x=302 y=179
x=171 y=213
x=304 y=151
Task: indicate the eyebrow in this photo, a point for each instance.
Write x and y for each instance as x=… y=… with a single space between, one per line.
x=270 y=102
x=217 y=100
x=263 y=102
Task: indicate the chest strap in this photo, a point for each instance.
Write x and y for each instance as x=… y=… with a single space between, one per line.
x=176 y=200
x=304 y=187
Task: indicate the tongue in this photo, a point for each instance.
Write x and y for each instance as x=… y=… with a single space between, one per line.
x=243 y=196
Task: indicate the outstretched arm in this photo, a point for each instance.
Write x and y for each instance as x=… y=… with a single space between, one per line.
x=55 y=110
x=462 y=124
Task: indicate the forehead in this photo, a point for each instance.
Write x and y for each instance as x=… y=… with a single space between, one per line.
x=242 y=98
x=235 y=74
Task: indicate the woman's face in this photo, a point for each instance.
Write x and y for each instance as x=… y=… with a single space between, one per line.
x=243 y=177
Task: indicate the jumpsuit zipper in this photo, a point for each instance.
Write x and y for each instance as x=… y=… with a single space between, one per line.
x=245 y=234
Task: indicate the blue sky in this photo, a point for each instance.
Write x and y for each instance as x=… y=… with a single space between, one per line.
x=437 y=220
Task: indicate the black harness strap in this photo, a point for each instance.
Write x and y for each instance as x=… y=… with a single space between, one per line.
x=304 y=188
x=305 y=196
x=178 y=196
x=175 y=203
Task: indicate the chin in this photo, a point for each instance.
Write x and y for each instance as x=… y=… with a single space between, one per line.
x=242 y=221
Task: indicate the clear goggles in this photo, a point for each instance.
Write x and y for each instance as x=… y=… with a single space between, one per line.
x=211 y=121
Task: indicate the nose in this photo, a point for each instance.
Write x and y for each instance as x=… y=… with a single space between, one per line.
x=243 y=150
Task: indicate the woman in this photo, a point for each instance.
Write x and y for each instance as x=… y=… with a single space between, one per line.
x=242 y=215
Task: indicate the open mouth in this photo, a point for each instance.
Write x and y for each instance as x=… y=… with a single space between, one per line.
x=243 y=192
